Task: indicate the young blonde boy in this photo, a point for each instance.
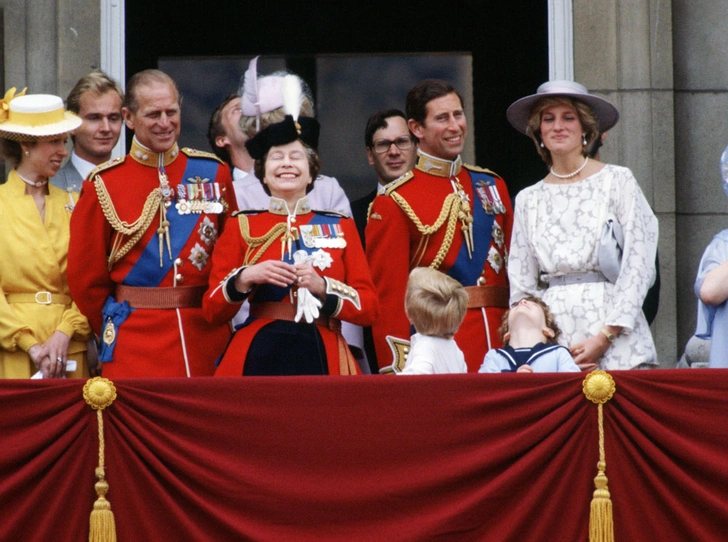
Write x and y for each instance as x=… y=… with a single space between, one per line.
x=435 y=305
x=530 y=342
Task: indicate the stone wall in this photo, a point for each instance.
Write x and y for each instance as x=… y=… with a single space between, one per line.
x=623 y=51
x=701 y=134
x=49 y=45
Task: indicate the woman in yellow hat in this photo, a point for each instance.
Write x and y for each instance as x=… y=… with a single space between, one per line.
x=41 y=330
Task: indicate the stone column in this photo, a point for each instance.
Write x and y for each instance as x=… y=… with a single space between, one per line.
x=623 y=51
x=701 y=134
x=49 y=45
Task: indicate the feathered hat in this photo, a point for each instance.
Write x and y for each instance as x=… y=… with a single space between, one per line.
x=292 y=127
x=258 y=96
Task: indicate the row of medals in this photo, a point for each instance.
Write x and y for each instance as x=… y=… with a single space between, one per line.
x=490 y=198
x=204 y=198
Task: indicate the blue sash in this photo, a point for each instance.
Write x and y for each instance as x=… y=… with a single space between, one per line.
x=466 y=270
x=114 y=314
x=146 y=270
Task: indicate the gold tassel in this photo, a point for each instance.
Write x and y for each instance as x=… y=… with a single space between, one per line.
x=599 y=388
x=99 y=393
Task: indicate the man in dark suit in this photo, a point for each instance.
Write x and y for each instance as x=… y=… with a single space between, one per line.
x=391 y=149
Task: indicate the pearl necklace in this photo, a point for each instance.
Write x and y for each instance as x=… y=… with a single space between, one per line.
x=570 y=175
x=37 y=184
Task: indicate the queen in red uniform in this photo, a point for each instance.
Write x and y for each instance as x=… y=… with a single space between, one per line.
x=303 y=271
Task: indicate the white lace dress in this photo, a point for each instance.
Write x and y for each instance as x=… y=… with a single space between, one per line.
x=556 y=232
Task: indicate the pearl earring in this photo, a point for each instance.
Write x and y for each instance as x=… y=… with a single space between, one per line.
x=583 y=139
x=542 y=145
x=27 y=153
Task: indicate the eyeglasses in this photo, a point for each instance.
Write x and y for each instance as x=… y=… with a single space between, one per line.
x=383 y=145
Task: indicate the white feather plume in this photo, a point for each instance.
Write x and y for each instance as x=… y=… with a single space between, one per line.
x=292 y=93
x=250 y=89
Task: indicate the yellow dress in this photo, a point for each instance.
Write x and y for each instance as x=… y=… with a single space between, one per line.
x=33 y=257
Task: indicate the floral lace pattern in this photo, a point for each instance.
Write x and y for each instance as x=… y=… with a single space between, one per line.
x=556 y=232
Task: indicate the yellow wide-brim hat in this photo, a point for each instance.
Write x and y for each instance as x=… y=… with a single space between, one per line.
x=35 y=116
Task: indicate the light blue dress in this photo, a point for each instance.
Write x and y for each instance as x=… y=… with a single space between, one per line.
x=713 y=317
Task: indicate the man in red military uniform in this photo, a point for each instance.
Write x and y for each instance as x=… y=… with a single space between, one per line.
x=445 y=215
x=141 y=238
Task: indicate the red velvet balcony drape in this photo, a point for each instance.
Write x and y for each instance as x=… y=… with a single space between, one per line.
x=461 y=457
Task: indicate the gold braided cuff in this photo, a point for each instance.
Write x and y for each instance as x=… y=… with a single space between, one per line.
x=343 y=292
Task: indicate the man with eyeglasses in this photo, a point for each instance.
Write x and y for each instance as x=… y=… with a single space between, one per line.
x=391 y=150
x=444 y=215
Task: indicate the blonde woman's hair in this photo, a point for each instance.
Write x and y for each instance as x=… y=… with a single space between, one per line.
x=434 y=302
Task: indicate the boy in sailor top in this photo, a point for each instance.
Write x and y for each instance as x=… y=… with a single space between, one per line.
x=530 y=342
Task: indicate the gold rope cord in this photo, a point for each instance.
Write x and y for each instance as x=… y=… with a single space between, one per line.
x=450 y=210
x=260 y=244
x=136 y=229
x=599 y=387
x=100 y=393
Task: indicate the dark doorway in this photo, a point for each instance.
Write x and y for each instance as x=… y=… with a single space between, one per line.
x=507 y=43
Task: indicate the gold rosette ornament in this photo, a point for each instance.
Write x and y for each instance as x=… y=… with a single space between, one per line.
x=100 y=393
x=5 y=102
x=599 y=388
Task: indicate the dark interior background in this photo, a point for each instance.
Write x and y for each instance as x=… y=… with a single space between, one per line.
x=508 y=42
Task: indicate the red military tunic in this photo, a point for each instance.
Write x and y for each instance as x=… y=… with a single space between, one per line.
x=334 y=248
x=115 y=244
x=424 y=219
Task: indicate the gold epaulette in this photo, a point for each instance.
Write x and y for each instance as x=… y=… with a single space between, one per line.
x=482 y=170
x=194 y=153
x=106 y=165
x=395 y=184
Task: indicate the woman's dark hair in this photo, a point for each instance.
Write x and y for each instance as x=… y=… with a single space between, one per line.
x=11 y=151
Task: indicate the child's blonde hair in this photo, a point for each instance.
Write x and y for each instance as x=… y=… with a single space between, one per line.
x=435 y=303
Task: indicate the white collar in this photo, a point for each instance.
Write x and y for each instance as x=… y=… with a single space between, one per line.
x=84 y=167
x=239 y=174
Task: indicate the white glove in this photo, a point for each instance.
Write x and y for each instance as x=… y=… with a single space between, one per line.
x=308 y=306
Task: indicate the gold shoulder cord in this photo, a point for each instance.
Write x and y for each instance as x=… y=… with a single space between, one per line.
x=450 y=211
x=259 y=244
x=135 y=230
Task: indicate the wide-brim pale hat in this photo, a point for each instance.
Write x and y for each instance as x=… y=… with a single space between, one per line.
x=36 y=116
x=519 y=111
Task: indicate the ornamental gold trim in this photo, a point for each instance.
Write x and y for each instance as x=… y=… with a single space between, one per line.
x=99 y=392
x=599 y=387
